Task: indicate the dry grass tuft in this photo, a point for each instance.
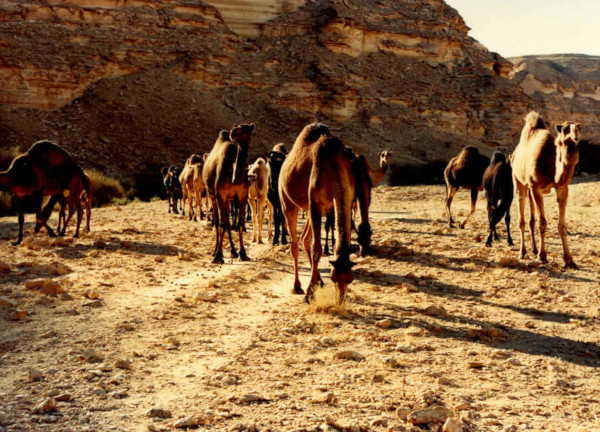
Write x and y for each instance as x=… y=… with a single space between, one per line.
x=106 y=189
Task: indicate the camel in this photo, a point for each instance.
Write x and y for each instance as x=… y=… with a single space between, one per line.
x=466 y=171
x=44 y=170
x=192 y=185
x=274 y=162
x=225 y=178
x=377 y=175
x=316 y=176
x=258 y=175
x=541 y=162
x=173 y=188
x=499 y=191
x=80 y=190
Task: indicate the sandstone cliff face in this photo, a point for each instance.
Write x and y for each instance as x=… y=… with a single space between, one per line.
x=566 y=87
x=130 y=85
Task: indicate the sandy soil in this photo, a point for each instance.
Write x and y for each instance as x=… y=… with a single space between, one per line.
x=149 y=334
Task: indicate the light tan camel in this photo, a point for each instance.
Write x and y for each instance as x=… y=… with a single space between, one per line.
x=540 y=163
x=258 y=175
x=317 y=176
x=225 y=176
x=192 y=185
x=377 y=175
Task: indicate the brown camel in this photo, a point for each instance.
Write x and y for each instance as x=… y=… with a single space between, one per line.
x=226 y=179
x=258 y=174
x=540 y=163
x=377 y=175
x=80 y=191
x=466 y=171
x=44 y=170
x=192 y=185
x=316 y=176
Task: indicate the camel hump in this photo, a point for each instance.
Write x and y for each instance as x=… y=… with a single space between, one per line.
x=535 y=121
x=314 y=131
x=498 y=157
x=280 y=148
x=468 y=155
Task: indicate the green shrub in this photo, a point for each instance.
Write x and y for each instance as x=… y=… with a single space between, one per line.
x=106 y=189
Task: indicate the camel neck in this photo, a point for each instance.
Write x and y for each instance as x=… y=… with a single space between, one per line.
x=240 y=162
x=566 y=160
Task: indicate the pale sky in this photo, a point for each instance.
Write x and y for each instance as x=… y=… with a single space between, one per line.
x=521 y=27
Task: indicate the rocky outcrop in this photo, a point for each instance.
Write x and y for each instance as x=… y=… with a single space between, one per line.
x=565 y=87
x=130 y=85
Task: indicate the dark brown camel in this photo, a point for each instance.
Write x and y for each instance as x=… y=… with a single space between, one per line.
x=225 y=176
x=499 y=191
x=80 y=191
x=274 y=162
x=466 y=171
x=44 y=170
x=317 y=176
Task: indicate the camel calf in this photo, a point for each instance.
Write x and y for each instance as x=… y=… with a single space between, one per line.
x=258 y=175
x=80 y=191
x=499 y=191
x=466 y=171
x=540 y=163
x=192 y=185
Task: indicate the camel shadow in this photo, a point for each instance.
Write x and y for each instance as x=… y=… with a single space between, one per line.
x=81 y=250
x=482 y=332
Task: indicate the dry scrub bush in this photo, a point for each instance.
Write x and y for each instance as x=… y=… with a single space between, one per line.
x=106 y=189
x=6 y=157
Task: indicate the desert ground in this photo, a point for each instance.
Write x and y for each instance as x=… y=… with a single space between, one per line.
x=131 y=328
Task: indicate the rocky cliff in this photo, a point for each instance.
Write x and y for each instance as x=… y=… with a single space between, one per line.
x=130 y=85
x=566 y=87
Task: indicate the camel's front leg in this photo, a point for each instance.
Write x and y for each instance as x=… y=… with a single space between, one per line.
x=241 y=215
x=254 y=215
x=270 y=216
x=532 y=222
x=474 y=193
x=261 y=217
x=562 y=194
x=291 y=216
x=450 y=192
x=522 y=196
x=542 y=224
x=314 y=253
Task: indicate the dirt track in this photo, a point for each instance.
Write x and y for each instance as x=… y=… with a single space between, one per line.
x=432 y=319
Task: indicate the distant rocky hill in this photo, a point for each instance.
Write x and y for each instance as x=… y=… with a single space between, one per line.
x=129 y=86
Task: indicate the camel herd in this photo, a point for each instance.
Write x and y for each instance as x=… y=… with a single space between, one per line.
x=320 y=176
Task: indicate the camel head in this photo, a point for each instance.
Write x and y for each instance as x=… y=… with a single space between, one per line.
x=241 y=133
x=341 y=274
x=280 y=148
x=569 y=134
x=194 y=159
x=385 y=158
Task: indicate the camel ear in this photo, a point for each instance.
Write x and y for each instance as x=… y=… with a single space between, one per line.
x=578 y=125
x=251 y=126
x=558 y=128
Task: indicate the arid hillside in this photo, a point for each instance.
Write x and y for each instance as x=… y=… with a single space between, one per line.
x=131 y=328
x=128 y=87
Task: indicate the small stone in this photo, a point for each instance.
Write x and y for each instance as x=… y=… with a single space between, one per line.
x=4 y=268
x=229 y=380
x=93 y=303
x=434 y=310
x=99 y=391
x=475 y=365
x=18 y=314
x=349 y=355
x=46 y=406
x=187 y=422
x=403 y=412
x=453 y=424
x=159 y=413
x=123 y=364
x=35 y=375
x=90 y=355
x=408 y=287
x=404 y=348
x=508 y=262
x=384 y=323
x=434 y=414
x=63 y=397
x=6 y=302
x=327 y=341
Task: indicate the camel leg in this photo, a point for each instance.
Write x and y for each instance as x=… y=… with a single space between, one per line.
x=270 y=216
x=532 y=222
x=261 y=217
x=490 y=210
x=253 y=211
x=522 y=196
x=542 y=224
x=243 y=256
x=79 y=216
x=21 y=219
x=450 y=192
x=291 y=216
x=228 y=228
x=562 y=194
x=43 y=215
x=507 y=221
x=217 y=253
x=68 y=219
x=88 y=215
x=474 y=193
x=222 y=227
x=61 y=227
x=315 y=252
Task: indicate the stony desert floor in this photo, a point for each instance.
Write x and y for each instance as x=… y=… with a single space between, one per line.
x=131 y=328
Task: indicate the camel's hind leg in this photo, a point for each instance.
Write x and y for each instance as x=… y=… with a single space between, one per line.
x=542 y=224
x=270 y=216
x=243 y=256
x=291 y=216
x=254 y=214
x=21 y=219
x=474 y=193
x=450 y=192
x=562 y=195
